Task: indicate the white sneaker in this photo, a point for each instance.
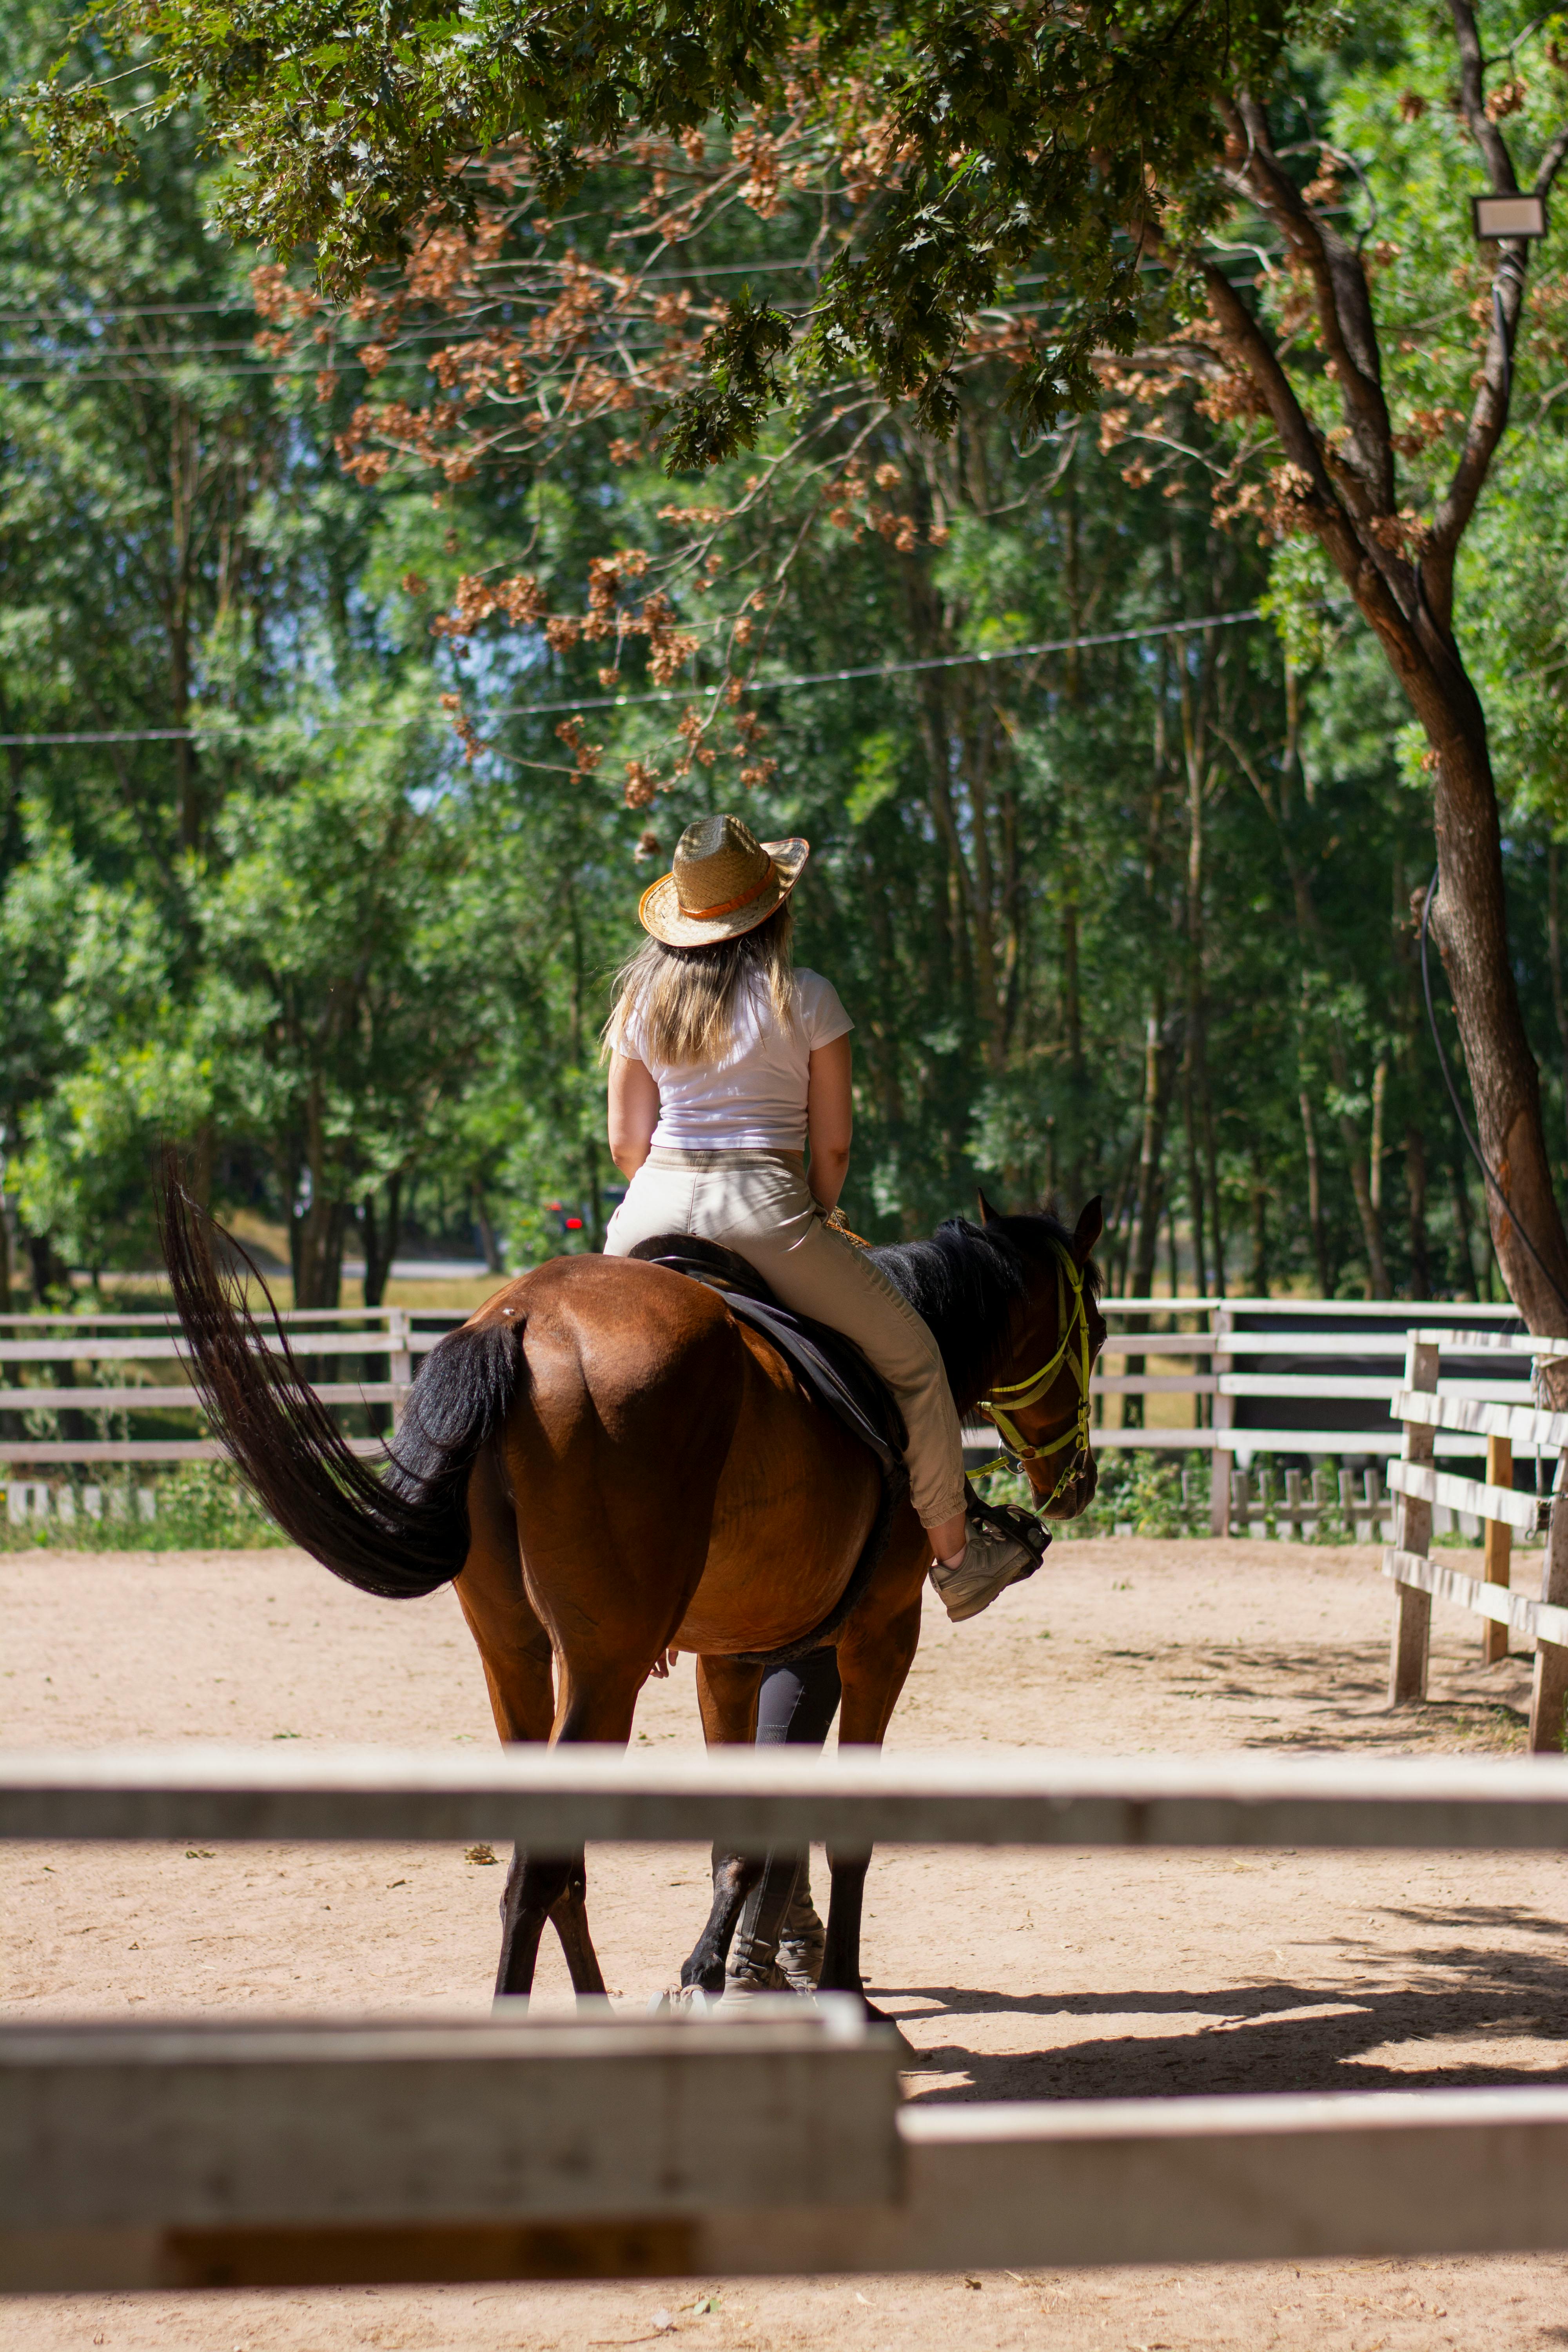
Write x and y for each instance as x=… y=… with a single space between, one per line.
x=991 y=1563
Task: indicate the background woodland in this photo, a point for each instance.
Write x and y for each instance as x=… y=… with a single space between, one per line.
x=352 y=592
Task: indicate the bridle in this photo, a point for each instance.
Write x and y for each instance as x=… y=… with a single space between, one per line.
x=1009 y=1397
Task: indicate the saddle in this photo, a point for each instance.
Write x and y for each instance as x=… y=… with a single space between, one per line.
x=831 y=1369
x=836 y=1375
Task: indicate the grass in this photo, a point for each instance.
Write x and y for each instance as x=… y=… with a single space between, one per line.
x=201 y=1506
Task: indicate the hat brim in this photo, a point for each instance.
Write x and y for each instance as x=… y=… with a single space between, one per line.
x=660 y=911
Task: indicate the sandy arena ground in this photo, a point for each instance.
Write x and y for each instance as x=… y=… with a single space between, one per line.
x=1038 y=1976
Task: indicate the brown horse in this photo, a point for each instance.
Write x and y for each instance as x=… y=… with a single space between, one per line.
x=605 y=1461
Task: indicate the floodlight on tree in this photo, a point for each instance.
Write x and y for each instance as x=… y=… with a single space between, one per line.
x=1495 y=217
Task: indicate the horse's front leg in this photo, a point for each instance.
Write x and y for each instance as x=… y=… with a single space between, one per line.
x=727 y=1695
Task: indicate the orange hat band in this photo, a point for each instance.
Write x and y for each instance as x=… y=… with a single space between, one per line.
x=729 y=905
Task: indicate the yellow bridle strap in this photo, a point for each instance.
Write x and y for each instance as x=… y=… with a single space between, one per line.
x=1019 y=1393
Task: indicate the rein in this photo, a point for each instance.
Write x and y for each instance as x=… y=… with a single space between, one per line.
x=1012 y=1396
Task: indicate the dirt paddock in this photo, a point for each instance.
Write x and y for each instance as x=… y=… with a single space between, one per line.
x=1031 y=1976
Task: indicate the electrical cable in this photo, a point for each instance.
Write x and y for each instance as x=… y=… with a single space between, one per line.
x=888 y=669
x=685 y=693
x=1479 y=1155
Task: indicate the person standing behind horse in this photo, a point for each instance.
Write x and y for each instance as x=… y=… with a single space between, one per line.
x=725 y=1063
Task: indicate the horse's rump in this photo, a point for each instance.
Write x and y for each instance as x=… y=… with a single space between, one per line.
x=655 y=1421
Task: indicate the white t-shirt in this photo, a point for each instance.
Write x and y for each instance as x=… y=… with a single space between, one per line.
x=754 y=1100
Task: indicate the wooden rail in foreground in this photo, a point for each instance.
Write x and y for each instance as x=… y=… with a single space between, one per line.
x=1419 y=1485
x=554 y=1798
x=1030 y=2185
x=317 y=2152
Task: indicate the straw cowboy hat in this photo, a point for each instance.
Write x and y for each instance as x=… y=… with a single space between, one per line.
x=725 y=882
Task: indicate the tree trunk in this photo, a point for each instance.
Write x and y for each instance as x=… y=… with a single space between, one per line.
x=1459 y=1194
x=1257 y=1278
x=1469 y=921
x=1416 y=1194
x=1315 y=1197
x=1151 y=1186
x=489 y=1240
x=316 y=1246
x=1211 y=1158
x=1195 y=1176
x=1554 y=942
x=316 y=1230
x=381 y=1238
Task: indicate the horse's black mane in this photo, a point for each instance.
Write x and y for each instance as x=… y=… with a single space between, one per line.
x=963 y=1283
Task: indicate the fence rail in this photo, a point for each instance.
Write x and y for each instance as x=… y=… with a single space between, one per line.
x=311 y=2152
x=1218 y=1405
x=1425 y=1405
x=554 y=1798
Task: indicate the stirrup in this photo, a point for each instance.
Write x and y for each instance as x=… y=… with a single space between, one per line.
x=1008 y=1520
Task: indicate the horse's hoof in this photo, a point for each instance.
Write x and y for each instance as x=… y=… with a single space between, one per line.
x=681 y=2000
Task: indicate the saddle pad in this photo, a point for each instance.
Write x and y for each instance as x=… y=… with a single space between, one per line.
x=830 y=1368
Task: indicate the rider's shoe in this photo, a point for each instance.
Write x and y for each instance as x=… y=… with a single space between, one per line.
x=1003 y=1545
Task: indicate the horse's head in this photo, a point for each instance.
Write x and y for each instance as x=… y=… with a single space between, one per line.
x=1038 y=1400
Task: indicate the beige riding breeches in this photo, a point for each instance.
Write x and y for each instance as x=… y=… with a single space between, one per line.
x=758 y=1204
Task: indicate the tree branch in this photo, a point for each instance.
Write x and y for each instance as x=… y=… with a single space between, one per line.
x=1343 y=300
x=1473 y=99
x=1489 y=414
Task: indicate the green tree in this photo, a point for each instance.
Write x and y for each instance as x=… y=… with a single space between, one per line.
x=1082 y=147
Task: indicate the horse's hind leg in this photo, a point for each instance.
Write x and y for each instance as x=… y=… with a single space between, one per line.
x=569 y=1917
x=515 y=1652
x=726 y=1695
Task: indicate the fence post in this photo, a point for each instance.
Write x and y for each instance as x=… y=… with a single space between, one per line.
x=1499 y=1544
x=400 y=1362
x=1550 y=1691
x=1220 y=1462
x=1413 y=1532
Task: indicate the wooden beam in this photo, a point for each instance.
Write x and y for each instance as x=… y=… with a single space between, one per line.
x=1462 y=1494
x=1498 y=1546
x=1524 y=1425
x=1410 y=1641
x=1534 y=1619
x=1026 y=2185
x=554 y=1798
x=216 y=2124
x=1549 y=1693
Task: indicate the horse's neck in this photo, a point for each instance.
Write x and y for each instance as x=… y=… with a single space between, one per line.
x=952 y=1311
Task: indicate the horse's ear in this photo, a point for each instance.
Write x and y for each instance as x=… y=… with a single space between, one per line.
x=1090 y=1226
x=988 y=1216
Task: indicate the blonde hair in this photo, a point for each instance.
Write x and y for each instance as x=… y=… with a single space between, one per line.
x=687 y=1000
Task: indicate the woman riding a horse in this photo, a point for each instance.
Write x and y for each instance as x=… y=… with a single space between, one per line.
x=606 y=1459
x=725 y=1063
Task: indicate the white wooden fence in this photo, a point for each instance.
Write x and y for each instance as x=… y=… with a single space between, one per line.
x=92 y=1342
x=1227 y=1359
x=1503 y=1416
x=312 y=2152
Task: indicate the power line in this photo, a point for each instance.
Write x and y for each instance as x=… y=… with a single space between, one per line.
x=756 y=686
x=898 y=670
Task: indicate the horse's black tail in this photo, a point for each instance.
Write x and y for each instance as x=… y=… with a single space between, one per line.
x=400 y=1529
